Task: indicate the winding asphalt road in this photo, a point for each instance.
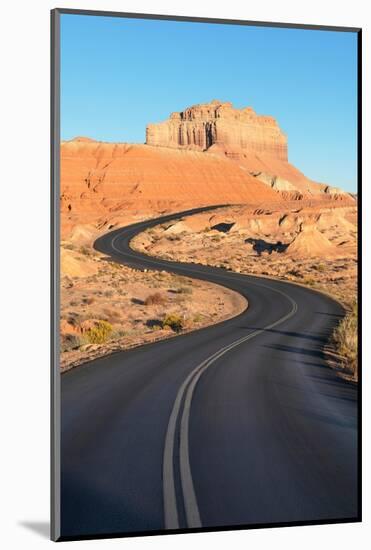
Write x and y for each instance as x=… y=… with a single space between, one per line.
x=241 y=423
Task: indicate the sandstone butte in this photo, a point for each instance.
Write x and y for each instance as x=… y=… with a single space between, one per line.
x=207 y=154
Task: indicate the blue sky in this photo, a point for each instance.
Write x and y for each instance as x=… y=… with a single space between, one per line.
x=117 y=75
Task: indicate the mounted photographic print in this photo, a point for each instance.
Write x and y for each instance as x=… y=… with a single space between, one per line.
x=205 y=193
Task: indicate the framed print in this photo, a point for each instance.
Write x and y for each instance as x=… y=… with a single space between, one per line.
x=205 y=280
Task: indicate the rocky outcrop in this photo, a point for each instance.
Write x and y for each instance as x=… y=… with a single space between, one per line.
x=334 y=190
x=219 y=124
x=254 y=142
x=275 y=182
x=310 y=243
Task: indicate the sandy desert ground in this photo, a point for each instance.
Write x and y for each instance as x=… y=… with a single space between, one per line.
x=107 y=307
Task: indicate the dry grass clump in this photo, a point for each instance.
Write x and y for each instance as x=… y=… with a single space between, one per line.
x=70 y=342
x=111 y=315
x=345 y=338
x=184 y=290
x=156 y=299
x=319 y=267
x=86 y=251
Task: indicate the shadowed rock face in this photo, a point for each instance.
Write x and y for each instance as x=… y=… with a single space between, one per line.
x=217 y=123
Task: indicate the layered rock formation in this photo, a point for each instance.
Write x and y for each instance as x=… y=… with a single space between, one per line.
x=218 y=123
x=254 y=142
x=103 y=180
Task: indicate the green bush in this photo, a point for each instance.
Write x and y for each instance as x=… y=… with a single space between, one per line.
x=173 y=321
x=100 y=333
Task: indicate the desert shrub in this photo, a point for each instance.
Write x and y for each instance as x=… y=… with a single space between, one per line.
x=85 y=250
x=70 y=342
x=74 y=318
x=90 y=300
x=197 y=318
x=111 y=314
x=100 y=333
x=121 y=292
x=173 y=321
x=319 y=267
x=345 y=338
x=67 y=283
x=174 y=238
x=184 y=290
x=115 y=285
x=155 y=299
x=154 y=324
x=117 y=334
x=295 y=273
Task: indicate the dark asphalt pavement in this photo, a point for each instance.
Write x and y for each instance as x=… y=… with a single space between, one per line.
x=241 y=423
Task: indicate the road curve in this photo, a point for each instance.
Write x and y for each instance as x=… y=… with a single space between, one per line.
x=241 y=423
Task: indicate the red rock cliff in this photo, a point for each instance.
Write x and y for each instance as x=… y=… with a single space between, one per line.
x=217 y=123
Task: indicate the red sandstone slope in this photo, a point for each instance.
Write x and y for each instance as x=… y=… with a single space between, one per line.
x=98 y=178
